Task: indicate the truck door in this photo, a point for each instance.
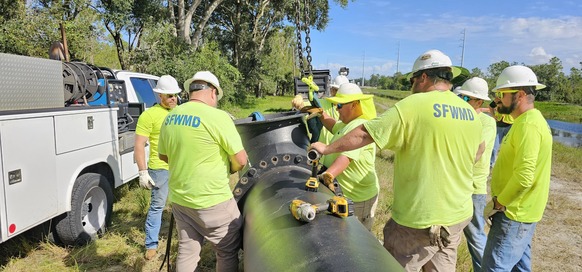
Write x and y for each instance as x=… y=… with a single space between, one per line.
x=29 y=172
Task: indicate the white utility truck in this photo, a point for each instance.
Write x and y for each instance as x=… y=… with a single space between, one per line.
x=66 y=141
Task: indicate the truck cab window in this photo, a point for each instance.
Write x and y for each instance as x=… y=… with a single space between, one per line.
x=144 y=90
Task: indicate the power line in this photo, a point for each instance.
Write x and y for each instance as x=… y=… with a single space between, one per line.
x=463 y=50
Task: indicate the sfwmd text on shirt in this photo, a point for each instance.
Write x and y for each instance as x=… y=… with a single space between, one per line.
x=454 y=112
x=182 y=120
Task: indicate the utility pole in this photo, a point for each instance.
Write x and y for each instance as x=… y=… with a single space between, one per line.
x=363 y=67
x=463 y=50
x=398 y=59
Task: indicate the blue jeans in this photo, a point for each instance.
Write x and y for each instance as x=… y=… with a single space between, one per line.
x=508 y=245
x=157 y=204
x=475 y=231
x=501 y=132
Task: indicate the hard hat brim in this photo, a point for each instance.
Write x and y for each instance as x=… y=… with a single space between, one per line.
x=538 y=86
x=190 y=80
x=457 y=71
x=474 y=95
x=164 y=91
x=346 y=98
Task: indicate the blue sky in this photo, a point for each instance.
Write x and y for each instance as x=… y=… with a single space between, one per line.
x=529 y=32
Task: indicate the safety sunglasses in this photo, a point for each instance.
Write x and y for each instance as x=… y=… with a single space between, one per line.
x=464 y=97
x=500 y=94
x=169 y=95
x=340 y=105
x=414 y=76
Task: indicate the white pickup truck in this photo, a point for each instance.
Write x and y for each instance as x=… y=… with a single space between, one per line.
x=66 y=141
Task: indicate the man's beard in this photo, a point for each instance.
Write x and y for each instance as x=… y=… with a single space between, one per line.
x=507 y=110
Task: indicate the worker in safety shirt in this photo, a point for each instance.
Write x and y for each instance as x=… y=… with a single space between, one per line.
x=520 y=181
x=436 y=138
x=203 y=148
x=297 y=102
x=354 y=169
x=475 y=91
x=154 y=175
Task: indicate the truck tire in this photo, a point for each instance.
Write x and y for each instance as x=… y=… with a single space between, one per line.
x=90 y=214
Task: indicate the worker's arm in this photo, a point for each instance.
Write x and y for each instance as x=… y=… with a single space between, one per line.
x=163 y=157
x=139 y=151
x=356 y=138
x=339 y=165
x=327 y=121
x=480 y=151
x=238 y=161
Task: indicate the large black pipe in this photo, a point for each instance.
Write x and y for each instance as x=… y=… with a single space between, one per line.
x=273 y=240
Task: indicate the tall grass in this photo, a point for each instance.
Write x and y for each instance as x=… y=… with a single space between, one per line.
x=560 y=111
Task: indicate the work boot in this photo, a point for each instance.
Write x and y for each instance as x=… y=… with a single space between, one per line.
x=150 y=254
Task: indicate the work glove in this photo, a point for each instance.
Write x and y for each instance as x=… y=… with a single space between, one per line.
x=439 y=236
x=145 y=181
x=330 y=182
x=313 y=111
x=297 y=102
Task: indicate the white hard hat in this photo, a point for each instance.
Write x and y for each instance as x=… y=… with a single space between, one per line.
x=456 y=90
x=475 y=87
x=517 y=76
x=348 y=92
x=434 y=59
x=207 y=77
x=167 y=85
x=338 y=81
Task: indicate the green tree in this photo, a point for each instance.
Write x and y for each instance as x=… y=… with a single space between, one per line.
x=77 y=19
x=476 y=72
x=575 y=85
x=125 y=21
x=29 y=34
x=11 y=10
x=552 y=76
x=374 y=80
x=182 y=16
x=243 y=28
x=277 y=68
x=493 y=71
x=163 y=53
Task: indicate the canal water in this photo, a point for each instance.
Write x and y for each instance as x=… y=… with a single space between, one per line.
x=566 y=133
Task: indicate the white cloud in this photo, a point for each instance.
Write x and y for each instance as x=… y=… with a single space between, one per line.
x=539 y=56
x=530 y=34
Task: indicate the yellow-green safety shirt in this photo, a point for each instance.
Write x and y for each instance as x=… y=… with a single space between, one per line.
x=358 y=181
x=199 y=140
x=481 y=169
x=325 y=136
x=521 y=175
x=435 y=137
x=148 y=125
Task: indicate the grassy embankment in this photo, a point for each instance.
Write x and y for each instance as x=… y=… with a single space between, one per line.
x=121 y=248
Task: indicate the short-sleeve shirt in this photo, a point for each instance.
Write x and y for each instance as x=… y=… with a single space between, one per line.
x=521 y=175
x=199 y=140
x=481 y=169
x=358 y=181
x=148 y=125
x=435 y=137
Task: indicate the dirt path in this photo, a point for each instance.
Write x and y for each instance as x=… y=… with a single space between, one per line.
x=557 y=243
